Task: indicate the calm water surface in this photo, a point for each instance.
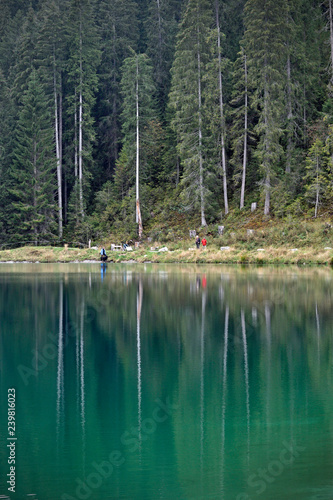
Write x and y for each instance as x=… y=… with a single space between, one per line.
x=165 y=382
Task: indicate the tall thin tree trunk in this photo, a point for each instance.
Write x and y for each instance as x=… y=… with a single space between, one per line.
x=64 y=208
x=304 y=118
x=289 y=116
x=159 y=31
x=76 y=169
x=245 y=137
x=138 y=211
x=76 y=161
x=267 y=194
x=114 y=124
x=178 y=171
x=35 y=191
x=201 y=187
x=223 y=155
x=80 y=131
x=58 y=154
x=317 y=188
x=267 y=182
x=331 y=39
x=60 y=119
x=80 y=157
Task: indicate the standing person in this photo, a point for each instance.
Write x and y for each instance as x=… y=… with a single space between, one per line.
x=204 y=242
x=197 y=241
x=103 y=255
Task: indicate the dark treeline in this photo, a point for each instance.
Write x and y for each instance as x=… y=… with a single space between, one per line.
x=185 y=108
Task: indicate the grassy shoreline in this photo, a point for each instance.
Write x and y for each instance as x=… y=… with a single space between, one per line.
x=186 y=254
x=244 y=241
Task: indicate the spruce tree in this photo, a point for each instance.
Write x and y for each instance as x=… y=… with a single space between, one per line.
x=265 y=48
x=6 y=134
x=82 y=85
x=317 y=176
x=231 y=20
x=51 y=49
x=32 y=175
x=118 y=28
x=25 y=54
x=242 y=123
x=193 y=52
x=161 y=28
x=139 y=110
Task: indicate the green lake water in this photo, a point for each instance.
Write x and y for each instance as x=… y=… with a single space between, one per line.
x=166 y=382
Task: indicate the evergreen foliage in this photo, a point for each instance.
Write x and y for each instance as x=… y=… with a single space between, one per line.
x=187 y=99
x=234 y=102
x=32 y=181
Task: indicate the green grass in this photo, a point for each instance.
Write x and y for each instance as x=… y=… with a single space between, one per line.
x=277 y=238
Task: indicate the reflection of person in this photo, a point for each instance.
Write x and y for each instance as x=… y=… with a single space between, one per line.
x=204 y=242
x=197 y=241
x=103 y=255
x=103 y=270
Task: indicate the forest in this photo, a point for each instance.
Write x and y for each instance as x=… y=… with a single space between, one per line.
x=138 y=117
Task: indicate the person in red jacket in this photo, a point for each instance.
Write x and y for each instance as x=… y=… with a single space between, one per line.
x=204 y=242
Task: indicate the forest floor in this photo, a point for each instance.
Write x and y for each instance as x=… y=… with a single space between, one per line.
x=253 y=241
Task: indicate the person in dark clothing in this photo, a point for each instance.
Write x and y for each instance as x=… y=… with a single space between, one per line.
x=197 y=241
x=103 y=255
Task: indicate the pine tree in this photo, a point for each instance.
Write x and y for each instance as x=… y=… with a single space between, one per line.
x=32 y=175
x=25 y=54
x=161 y=28
x=221 y=108
x=82 y=80
x=118 y=28
x=231 y=20
x=187 y=96
x=265 y=48
x=242 y=125
x=139 y=110
x=6 y=133
x=317 y=175
x=51 y=53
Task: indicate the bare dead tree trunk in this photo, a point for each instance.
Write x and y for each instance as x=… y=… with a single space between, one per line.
x=331 y=38
x=201 y=187
x=80 y=131
x=223 y=155
x=317 y=188
x=159 y=29
x=245 y=137
x=80 y=156
x=58 y=153
x=289 y=116
x=267 y=182
x=138 y=211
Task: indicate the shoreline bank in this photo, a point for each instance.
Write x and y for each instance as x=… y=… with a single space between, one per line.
x=228 y=255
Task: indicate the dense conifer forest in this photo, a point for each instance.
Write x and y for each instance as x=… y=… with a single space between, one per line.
x=132 y=117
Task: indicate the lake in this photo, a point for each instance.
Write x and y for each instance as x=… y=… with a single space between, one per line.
x=146 y=382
